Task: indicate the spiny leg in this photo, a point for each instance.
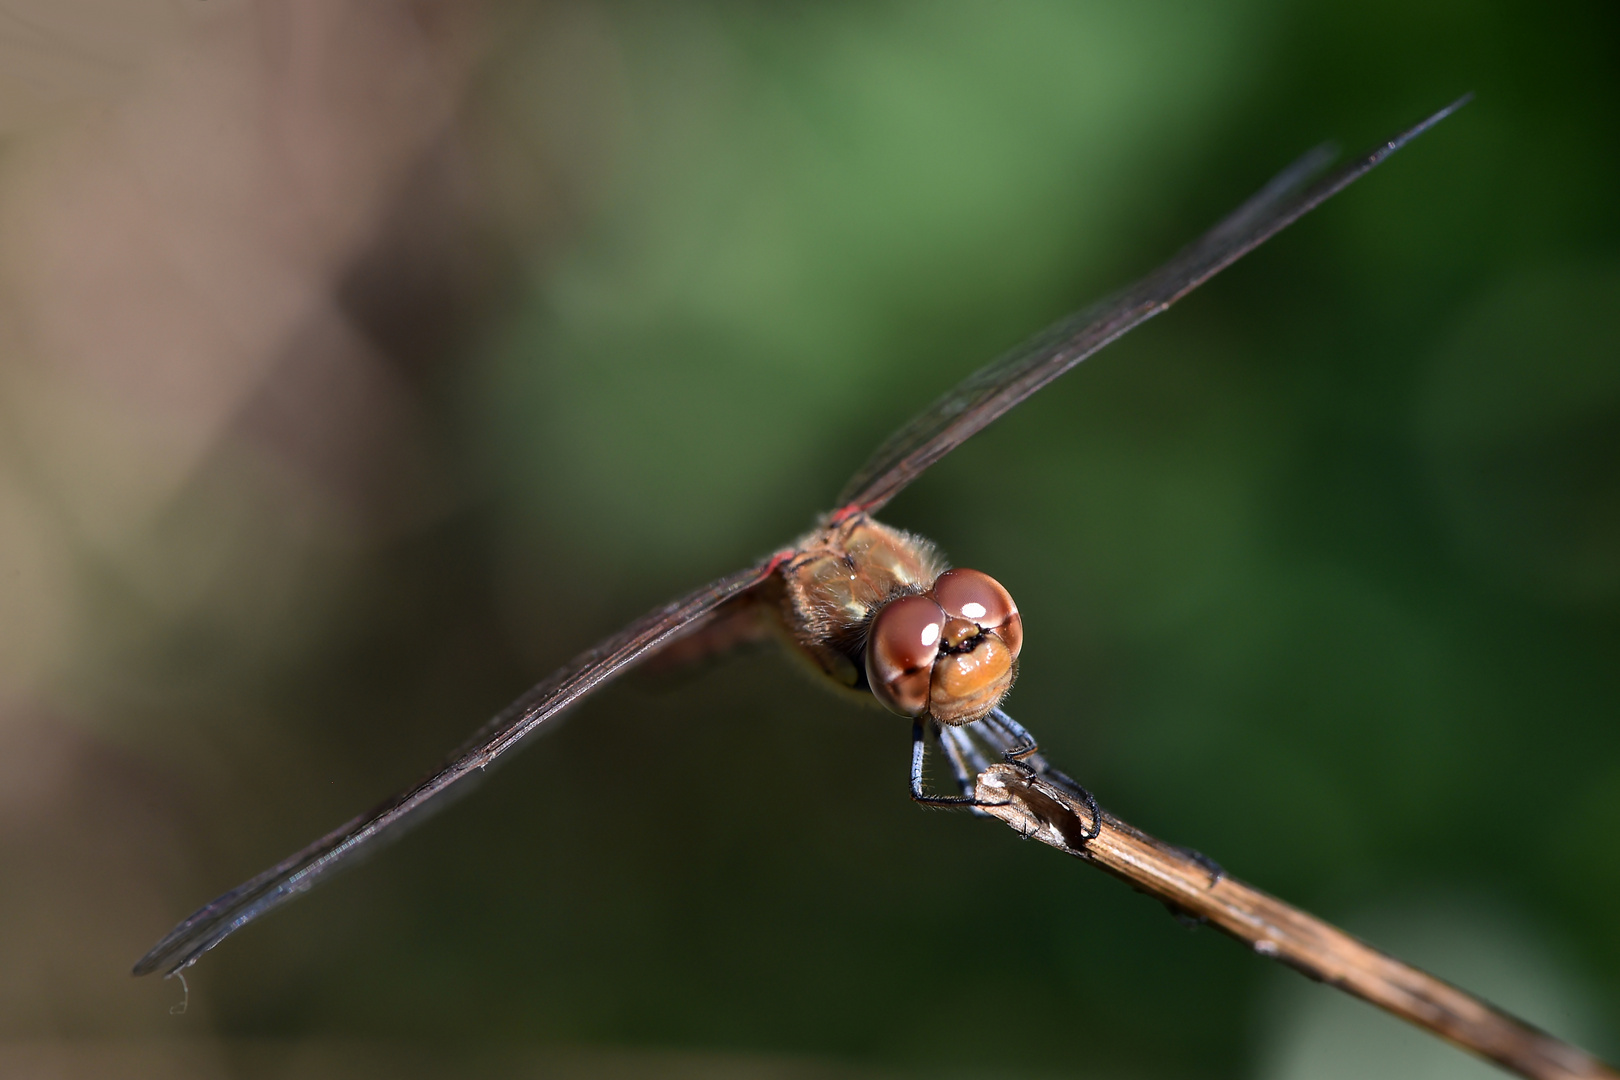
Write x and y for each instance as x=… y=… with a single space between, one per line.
x=953 y=754
x=1018 y=747
x=952 y=741
x=1025 y=754
x=1024 y=744
x=919 y=746
x=1024 y=747
x=970 y=750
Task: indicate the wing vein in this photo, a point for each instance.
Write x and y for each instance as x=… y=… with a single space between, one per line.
x=997 y=388
x=219 y=918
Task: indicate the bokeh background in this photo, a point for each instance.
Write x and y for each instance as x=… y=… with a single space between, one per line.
x=360 y=362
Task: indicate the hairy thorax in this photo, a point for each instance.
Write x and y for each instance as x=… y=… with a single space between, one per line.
x=840 y=575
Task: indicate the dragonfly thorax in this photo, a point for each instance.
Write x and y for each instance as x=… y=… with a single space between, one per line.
x=874 y=608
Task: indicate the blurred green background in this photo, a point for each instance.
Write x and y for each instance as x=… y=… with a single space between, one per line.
x=364 y=362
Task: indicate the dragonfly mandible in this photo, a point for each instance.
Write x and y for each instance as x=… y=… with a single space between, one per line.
x=875 y=610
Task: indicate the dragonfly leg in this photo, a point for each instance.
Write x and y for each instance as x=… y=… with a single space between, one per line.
x=919 y=746
x=1023 y=745
x=1093 y=830
x=958 y=747
x=971 y=751
x=1021 y=754
x=1024 y=753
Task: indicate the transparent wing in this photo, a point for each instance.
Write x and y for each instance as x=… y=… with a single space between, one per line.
x=994 y=389
x=214 y=921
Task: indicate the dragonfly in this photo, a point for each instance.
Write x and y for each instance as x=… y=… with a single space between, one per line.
x=875 y=611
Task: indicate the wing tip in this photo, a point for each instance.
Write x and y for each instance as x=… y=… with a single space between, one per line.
x=170 y=960
x=182 y=946
x=152 y=963
x=1424 y=125
x=167 y=958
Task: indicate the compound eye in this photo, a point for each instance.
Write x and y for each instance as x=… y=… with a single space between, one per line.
x=900 y=652
x=975 y=596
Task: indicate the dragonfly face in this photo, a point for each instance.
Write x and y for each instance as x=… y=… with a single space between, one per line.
x=872 y=607
x=949 y=654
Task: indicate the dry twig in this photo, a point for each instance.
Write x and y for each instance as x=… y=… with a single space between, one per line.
x=1187 y=883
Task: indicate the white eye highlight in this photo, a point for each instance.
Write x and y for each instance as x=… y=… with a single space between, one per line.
x=930 y=634
x=973 y=611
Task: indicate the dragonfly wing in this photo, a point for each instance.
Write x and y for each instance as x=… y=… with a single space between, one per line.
x=214 y=921
x=994 y=389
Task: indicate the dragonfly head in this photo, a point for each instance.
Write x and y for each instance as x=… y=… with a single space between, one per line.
x=949 y=653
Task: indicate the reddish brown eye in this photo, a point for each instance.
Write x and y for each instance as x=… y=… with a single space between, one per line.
x=980 y=599
x=900 y=652
x=1012 y=632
